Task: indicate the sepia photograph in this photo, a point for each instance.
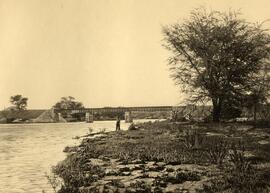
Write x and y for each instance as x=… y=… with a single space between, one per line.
x=134 y=96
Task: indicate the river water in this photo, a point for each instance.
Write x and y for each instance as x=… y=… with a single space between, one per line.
x=28 y=151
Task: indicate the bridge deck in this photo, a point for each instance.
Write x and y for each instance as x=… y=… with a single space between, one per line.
x=117 y=109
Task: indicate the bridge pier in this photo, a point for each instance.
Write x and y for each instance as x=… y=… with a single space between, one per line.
x=128 y=117
x=58 y=117
x=89 y=118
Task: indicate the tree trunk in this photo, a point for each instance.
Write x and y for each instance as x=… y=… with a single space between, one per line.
x=216 y=110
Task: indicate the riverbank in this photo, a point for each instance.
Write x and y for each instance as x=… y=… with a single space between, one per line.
x=170 y=157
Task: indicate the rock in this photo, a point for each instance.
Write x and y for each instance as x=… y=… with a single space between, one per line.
x=241 y=119
x=158 y=182
x=169 y=169
x=109 y=189
x=148 y=164
x=104 y=158
x=215 y=134
x=249 y=154
x=126 y=173
x=171 y=177
x=137 y=161
x=95 y=177
x=132 y=127
x=263 y=142
x=123 y=168
x=153 y=174
x=137 y=173
x=97 y=162
x=155 y=168
x=161 y=164
x=244 y=128
x=145 y=175
x=116 y=183
x=138 y=167
x=259 y=134
x=111 y=172
x=100 y=183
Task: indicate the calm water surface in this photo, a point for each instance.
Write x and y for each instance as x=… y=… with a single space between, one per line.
x=28 y=151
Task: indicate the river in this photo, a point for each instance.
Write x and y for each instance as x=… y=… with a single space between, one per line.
x=28 y=151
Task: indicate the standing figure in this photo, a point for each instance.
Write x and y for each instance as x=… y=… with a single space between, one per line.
x=118 y=124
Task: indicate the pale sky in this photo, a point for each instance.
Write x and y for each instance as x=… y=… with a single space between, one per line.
x=102 y=52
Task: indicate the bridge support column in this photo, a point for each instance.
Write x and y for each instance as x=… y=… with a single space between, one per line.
x=128 y=117
x=89 y=118
x=58 y=117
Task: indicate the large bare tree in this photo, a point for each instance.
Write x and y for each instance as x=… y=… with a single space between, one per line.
x=216 y=56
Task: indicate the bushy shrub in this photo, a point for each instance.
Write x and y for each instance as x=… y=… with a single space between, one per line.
x=248 y=181
x=217 y=148
x=181 y=176
x=192 y=138
x=242 y=177
x=76 y=171
x=238 y=159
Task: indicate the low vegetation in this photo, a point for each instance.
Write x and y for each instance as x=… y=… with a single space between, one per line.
x=169 y=157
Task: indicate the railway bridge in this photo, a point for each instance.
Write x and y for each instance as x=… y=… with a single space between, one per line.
x=127 y=111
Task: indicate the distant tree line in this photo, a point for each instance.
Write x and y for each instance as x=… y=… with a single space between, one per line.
x=19 y=102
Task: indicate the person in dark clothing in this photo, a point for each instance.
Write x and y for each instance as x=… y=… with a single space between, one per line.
x=118 y=124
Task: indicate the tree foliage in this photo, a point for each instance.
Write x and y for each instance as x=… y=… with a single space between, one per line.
x=68 y=103
x=216 y=56
x=19 y=102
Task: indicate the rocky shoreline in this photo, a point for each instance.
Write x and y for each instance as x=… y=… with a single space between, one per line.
x=140 y=176
x=162 y=157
